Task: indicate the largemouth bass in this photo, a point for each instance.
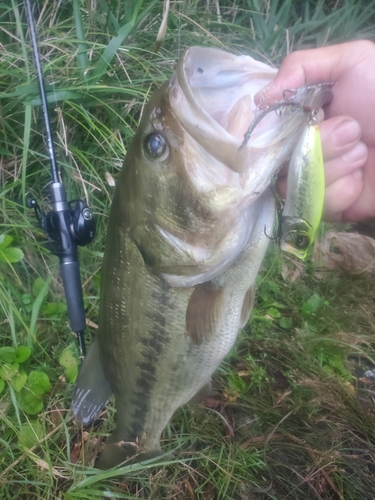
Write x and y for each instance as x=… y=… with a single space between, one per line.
x=304 y=195
x=186 y=238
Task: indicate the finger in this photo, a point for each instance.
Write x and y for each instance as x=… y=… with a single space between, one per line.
x=343 y=152
x=309 y=67
x=338 y=135
x=340 y=196
x=364 y=205
x=349 y=163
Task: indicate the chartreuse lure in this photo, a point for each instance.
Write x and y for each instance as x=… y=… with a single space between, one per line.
x=305 y=194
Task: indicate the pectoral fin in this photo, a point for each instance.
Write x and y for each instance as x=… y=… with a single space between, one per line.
x=247 y=306
x=204 y=312
x=92 y=390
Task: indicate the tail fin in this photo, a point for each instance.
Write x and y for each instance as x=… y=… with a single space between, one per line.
x=115 y=453
x=92 y=390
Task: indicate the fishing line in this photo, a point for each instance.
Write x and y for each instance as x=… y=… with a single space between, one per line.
x=273 y=107
x=68 y=224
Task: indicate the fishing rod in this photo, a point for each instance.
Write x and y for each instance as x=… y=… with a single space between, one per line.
x=68 y=224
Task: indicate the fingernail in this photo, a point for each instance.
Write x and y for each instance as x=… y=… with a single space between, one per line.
x=357 y=153
x=345 y=133
x=358 y=174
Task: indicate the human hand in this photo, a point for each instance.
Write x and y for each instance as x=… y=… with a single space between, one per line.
x=348 y=131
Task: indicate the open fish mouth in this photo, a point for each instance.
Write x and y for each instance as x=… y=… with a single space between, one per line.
x=212 y=95
x=221 y=87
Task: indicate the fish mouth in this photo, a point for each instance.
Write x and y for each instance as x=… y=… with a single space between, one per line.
x=221 y=86
x=212 y=95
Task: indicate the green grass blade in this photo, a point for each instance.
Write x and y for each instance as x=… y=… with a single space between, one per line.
x=36 y=307
x=109 y=53
x=26 y=144
x=82 y=58
x=110 y=17
x=23 y=43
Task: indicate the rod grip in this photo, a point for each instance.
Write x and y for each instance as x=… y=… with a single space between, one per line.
x=73 y=294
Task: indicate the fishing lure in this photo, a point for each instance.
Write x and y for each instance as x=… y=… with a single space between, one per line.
x=305 y=186
x=305 y=194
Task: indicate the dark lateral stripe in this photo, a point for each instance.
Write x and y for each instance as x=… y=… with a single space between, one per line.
x=153 y=345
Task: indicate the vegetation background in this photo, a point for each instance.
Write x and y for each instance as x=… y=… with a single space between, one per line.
x=292 y=415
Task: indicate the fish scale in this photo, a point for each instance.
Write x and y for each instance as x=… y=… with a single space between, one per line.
x=183 y=367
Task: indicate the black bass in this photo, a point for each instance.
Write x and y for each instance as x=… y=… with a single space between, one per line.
x=186 y=238
x=304 y=195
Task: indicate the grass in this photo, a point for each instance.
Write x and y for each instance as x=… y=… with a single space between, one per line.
x=291 y=415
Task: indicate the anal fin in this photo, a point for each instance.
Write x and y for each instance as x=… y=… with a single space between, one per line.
x=92 y=390
x=203 y=393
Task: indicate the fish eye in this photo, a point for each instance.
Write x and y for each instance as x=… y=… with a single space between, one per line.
x=302 y=242
x=155 y=145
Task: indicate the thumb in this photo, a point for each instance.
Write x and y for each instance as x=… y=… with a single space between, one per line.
x=305 y=67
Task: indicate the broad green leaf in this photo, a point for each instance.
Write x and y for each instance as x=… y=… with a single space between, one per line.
x=71 y=374
x=2 y=385
x=312 y=305
x=70 y=362
x=9 y=370
x=54 y=308
x=11 y=255
x=38 y=382
x=26 y=298
x=18 y=381
x=273 y=312
x=31 y=433
x=5 y=241
x=285 y=322
x=22 y=353
x=67 y=357
x=7 y=354
x=29 y=402
x=39 y=286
